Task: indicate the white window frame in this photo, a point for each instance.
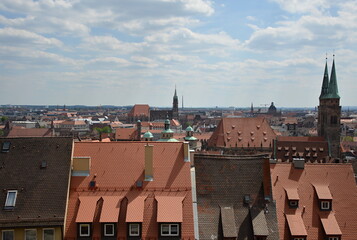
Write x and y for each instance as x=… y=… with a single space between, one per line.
x=105 y=230
x=170 y=225
x=7 y=201
x=31 y=229
x=296 y=203
x=325 y=202
x=131 y=234
x=43 y=233
x=299 y=238
x=80 y=229
x=3 y=231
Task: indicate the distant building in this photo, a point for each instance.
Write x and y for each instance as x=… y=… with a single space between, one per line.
x=329 y=113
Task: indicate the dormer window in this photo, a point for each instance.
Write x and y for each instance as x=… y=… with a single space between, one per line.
x=292 y=197
x=10 y=199
x=293 y=203
x=333 y=238
x=325 y=205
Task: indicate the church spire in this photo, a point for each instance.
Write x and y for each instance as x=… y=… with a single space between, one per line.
x=325 y=83
x=332 y=86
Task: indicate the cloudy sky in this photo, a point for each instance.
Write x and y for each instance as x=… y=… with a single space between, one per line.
x=216 y=52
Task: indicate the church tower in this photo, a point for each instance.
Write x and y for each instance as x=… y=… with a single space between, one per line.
x=329 y=113
x=175 y=110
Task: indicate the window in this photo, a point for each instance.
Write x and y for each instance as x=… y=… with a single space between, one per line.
x=84 y=230
x=30 y=234
x=109 y=230
x=5 y=147
x=169 y=229
x=325 y=205
x=134 y=229
x=10 y=199
x=8 y=235
x=299 y=238
x=48 y=234
x=293 y=203
x=333 y=238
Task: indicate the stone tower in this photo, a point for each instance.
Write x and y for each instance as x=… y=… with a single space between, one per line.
x=329 y=114
x=175 y=113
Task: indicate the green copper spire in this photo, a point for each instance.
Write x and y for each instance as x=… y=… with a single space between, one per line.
x=324 y=89
x=332 y=86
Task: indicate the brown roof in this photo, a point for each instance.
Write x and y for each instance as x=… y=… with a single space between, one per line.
x=125 y=133
x=118 y=167
x=312 y=149
x=30 y=132
x=296 y=225
x=110 y=209
x=139 y=110
x=38 y=168
x=242 y=132
x=335 y=180
x=330 y=225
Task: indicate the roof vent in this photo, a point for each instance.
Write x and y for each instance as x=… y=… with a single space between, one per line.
x=247 y=199
x=299 y=163
x=43 y=164
x=5 y=147
x=92 y=184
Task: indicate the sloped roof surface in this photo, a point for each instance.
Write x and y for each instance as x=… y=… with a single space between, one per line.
x=341 y=183
x=242 y=132
x=42 y=192
x=30 y=132
x=139 y=110
x=225 y=181
x=119 y=168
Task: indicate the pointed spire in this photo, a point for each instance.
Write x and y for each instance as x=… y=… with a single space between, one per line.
x=325 y=82
x=332 y=86
x=175 y=95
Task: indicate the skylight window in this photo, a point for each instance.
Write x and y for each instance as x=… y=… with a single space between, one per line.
x=10 y=199
x=5 y=147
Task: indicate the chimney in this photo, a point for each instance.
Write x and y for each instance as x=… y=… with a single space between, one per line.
x=186 y=151
x=81 y=166
x=138 y=129
x=149 y=162
x=299 y=163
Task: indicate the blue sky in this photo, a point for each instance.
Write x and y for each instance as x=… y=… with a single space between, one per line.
x=217 y=53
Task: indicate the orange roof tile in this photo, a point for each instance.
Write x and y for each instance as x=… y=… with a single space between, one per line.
x=341 y=185
x=135 y=211
x=87 y=208
x=125 y=133
x=242 y=132
x=110 y=208
x=322 y=191
x=292 y=193
x=330 y=225
x=169 y=208
x=139 y=110
x=296 y=225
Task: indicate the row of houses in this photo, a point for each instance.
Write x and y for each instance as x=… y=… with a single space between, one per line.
x=55 y=188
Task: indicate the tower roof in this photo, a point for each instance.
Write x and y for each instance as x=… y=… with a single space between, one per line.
x=175 y=94
x=332 y=86
x=325 y=82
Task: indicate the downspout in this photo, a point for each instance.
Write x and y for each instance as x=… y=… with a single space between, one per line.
x=194 y=203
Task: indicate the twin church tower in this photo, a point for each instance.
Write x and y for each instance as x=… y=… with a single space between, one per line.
x=329 y=114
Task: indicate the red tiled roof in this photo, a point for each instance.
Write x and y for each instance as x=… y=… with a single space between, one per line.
x=322 y=191
x=118 y=167
x=292 y=193
x=110 y=209
x=139 y=110
x=296 y=225
x=135 y=211
x=30 y=132
x=330 y=225
x=341 y=185
x=242 y=132
x=169 y=208
x=125 y=133
x=86 y=209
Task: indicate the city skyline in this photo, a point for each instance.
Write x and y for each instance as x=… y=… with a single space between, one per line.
x=217 y=53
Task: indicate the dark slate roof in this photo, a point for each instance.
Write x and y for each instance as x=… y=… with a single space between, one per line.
x=225 y=181
x=41 y=192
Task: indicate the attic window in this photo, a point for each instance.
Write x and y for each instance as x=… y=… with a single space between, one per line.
x=307 y=149
x=10 y=199
x=233 y=126
x=239 y=132
x=293 y=148
x=258 y=126
x=286 y=148
x=325 y=205
x=5 y=147
x=321 y=149
x=251 y=133
x=264 y=133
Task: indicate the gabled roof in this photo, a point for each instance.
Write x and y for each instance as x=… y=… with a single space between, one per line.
x=30 y=132
x=139 y=110
x=334 y=181
x=242 y=132
x=224 y=182
x=117 y=168
x=41 y=191
x=126 y=134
